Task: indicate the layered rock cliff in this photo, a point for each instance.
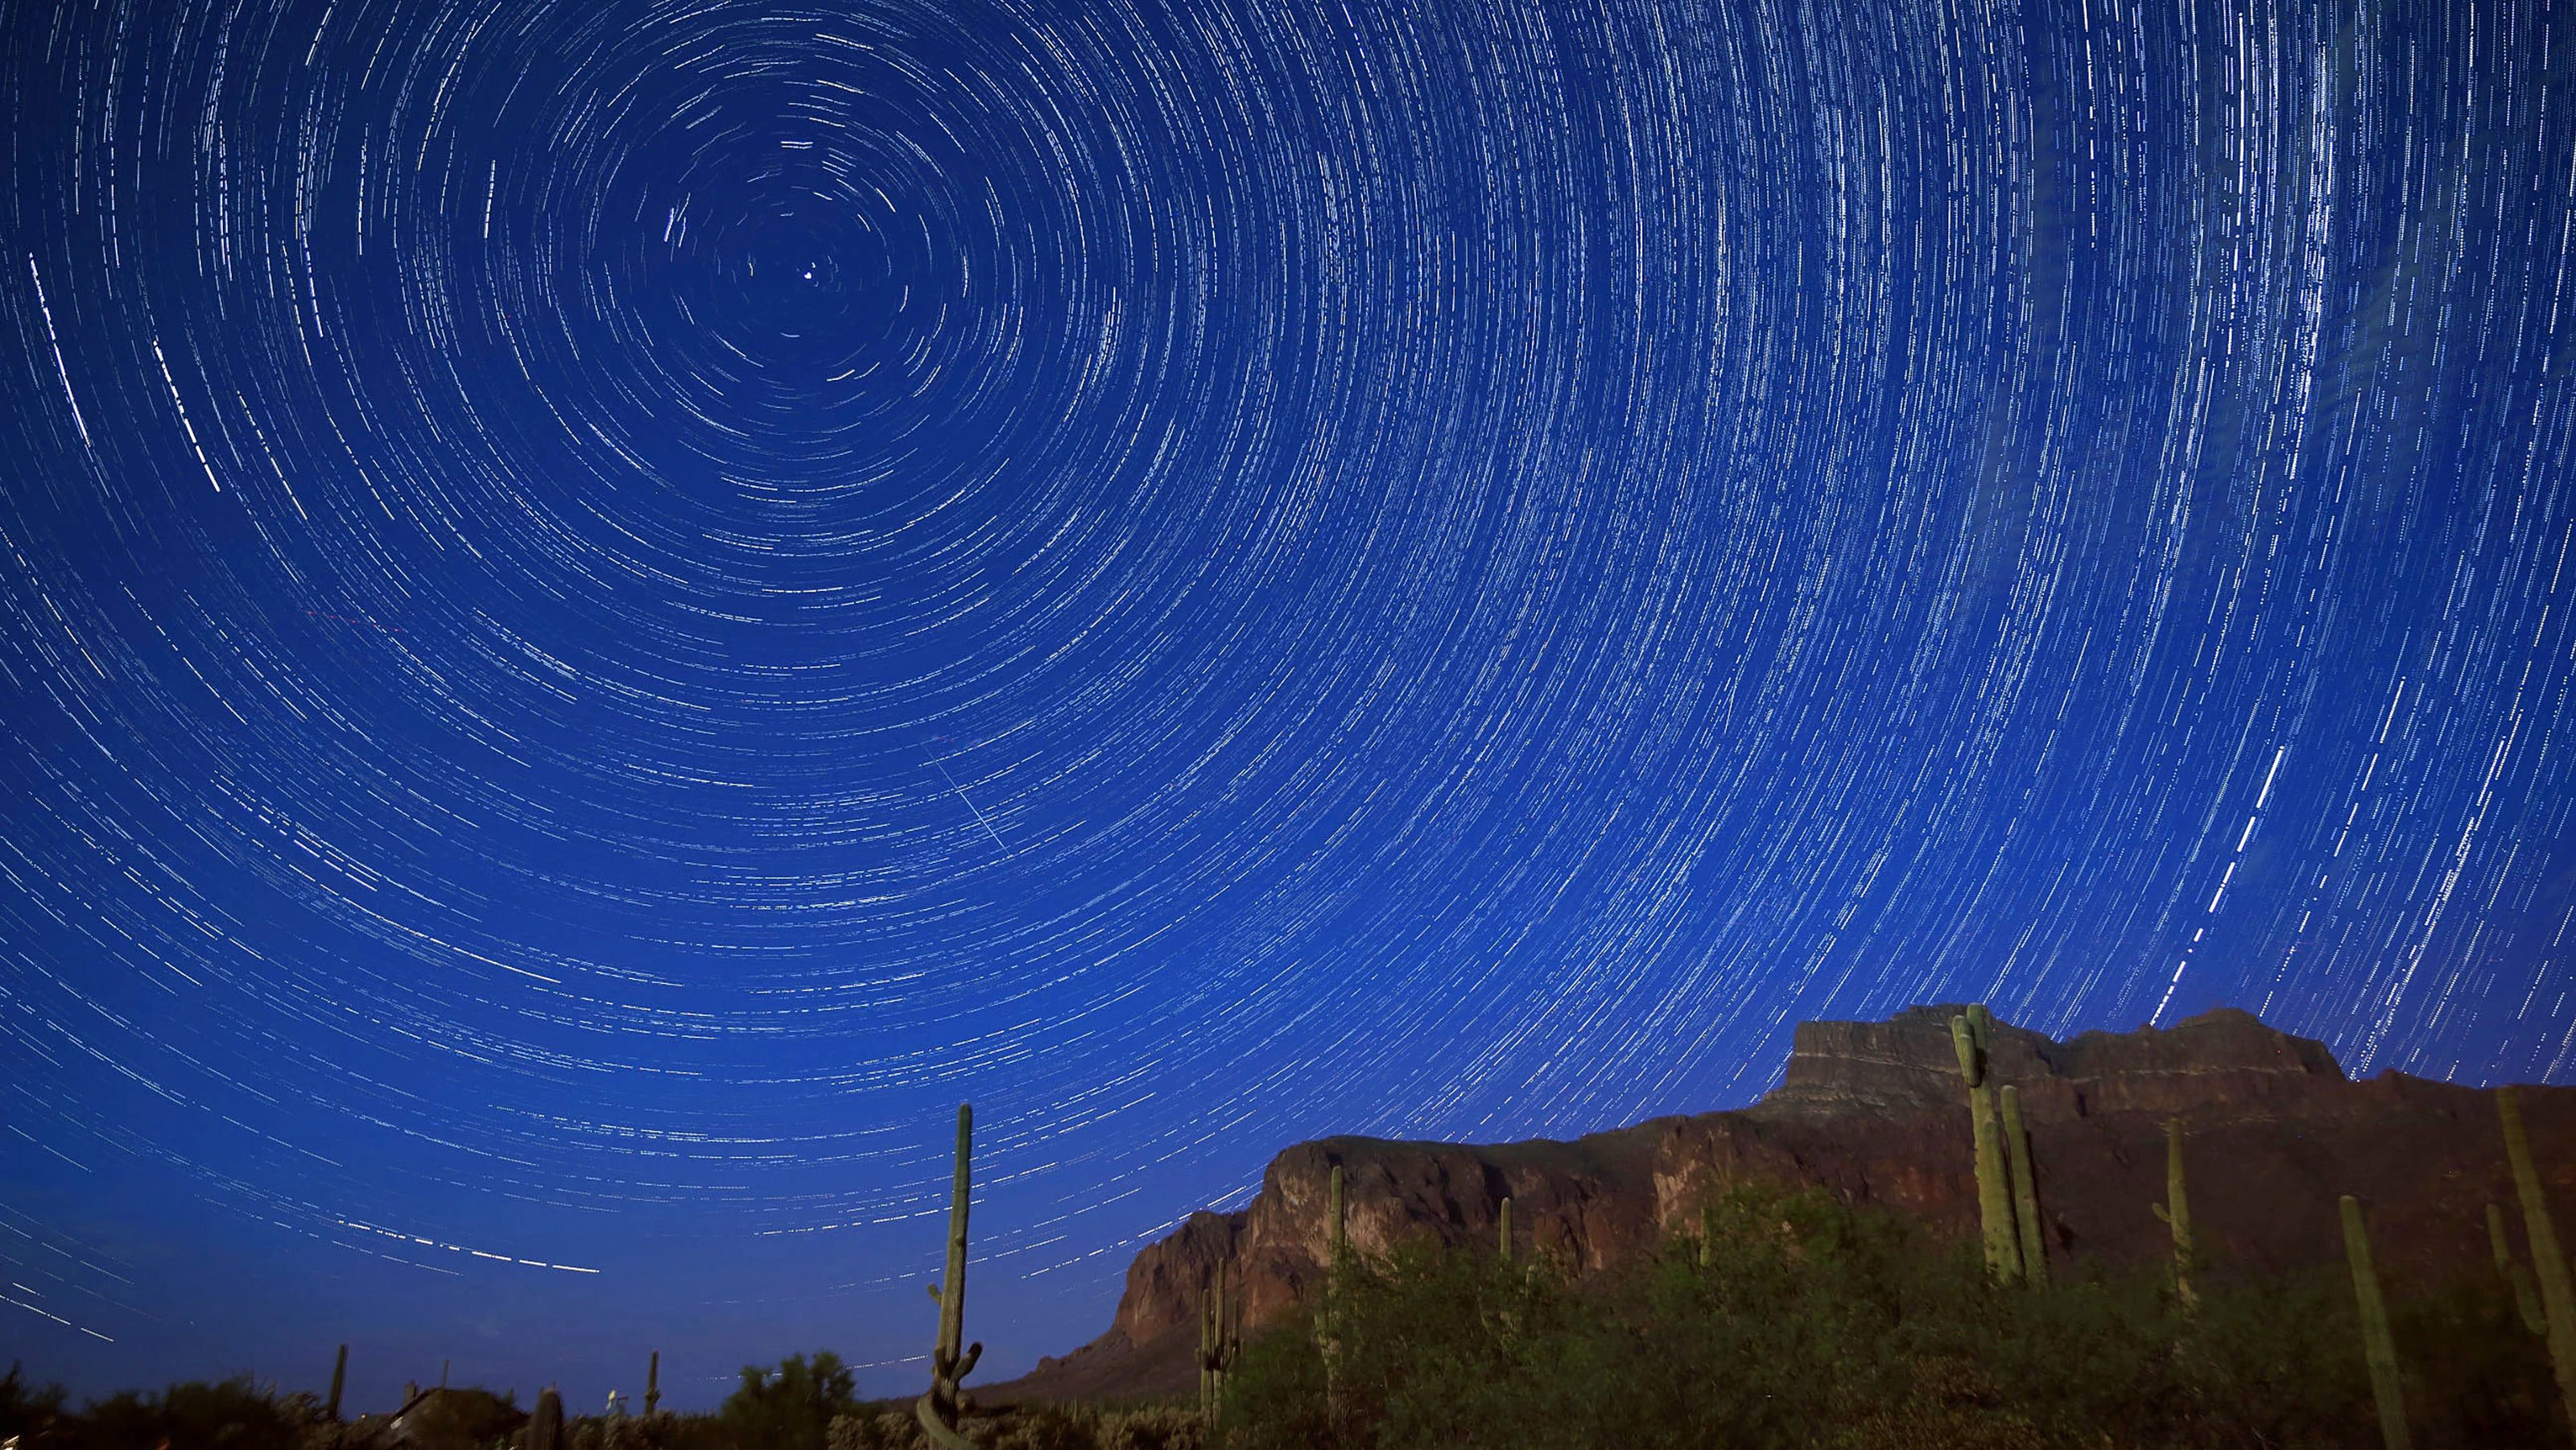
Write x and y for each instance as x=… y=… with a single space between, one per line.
x=1874 y=1112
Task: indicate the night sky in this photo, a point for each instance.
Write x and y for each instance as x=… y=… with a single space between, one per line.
x=605 y=609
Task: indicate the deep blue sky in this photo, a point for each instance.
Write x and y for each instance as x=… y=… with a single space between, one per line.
x=605 y=609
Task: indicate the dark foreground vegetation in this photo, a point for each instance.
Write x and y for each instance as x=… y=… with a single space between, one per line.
x=802 y=1404
x=1808 y=1324
x=1793 y=1321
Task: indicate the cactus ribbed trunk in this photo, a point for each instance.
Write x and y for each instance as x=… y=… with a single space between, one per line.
x=941 y=1409
x=1994 y=1194
x=2378 y=1349
x=1336 y=1289
x=2548 y=1265
x=2176 y=1213
x=652 y=1383
x=1220 y=1340
x=2526 y=1299
x=1503 y=1231
x=545 y=1427
x=339 y=1378
x=2034 y=1252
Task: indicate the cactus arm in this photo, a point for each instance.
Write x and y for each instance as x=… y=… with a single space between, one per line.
x=937 y=1429
x=339 y=1377
x=2378 y=1348
x=2548 y=1265
x=2034 y=1251
x=2526 y=1299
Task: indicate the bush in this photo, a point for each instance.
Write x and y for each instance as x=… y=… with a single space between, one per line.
x=27 y=1413
x=1032 y=1427
x=791 y=1407
x=232 y=1414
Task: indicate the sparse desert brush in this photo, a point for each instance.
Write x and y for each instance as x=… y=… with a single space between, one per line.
x=1034 y=1427
x=1792 y=1320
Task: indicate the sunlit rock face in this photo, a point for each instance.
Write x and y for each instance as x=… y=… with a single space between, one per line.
x=1905 y=1066
x=1874 y=1112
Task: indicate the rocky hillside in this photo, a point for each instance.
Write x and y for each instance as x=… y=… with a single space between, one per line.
x=1875 y=1113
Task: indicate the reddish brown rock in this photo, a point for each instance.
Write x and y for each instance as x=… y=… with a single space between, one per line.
x=1874 y=1113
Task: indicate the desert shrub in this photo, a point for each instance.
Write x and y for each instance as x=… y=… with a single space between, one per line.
x=667 y=1431
x=791 y=1407
x=232 y=1414
x=27 y=1412
x=869 y=1429
x=1149 y=1427
x=1033 y=1427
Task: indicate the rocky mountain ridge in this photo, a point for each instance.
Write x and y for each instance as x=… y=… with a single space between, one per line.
x=1875 y=1112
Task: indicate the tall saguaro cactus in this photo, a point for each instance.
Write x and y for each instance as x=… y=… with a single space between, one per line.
x=1336 y=1232
x=1503 y=1230
x=1337 y=1250
x=940 y=1410
x=2378 y=1348
x=652 y=1383
x=2034 y=1252
x=545 y=1428
x=1994 y=1197
x=2176 y=1213
x=2548 y=1265
x=1220 y=1344
x=339 y=1379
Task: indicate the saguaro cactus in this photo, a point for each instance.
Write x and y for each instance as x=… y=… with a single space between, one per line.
x=1994 y=1196
x=1220 y=1343
x=339 y=1379
x=2548 y=1265
x=2034 y=1252
x=2378 y=1349
x=1503 y=1230
x=652 y=1384
x=940 y=1410
x=1336 y=1236
x=2176 y=1213
x=1336 y=1289
x=2526 y=1299
x=545 y=1427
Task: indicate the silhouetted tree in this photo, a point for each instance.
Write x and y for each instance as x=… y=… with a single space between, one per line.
x=790 y=1407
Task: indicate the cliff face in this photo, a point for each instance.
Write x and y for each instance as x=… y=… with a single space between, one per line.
x=1874 y=1112
x=1906 y=1068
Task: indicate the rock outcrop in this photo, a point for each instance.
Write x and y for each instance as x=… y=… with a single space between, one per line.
x=1874 y=1113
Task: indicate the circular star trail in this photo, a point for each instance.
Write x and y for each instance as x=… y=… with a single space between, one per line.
x=608 y=608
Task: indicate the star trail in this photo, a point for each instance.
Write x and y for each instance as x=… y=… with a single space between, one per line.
x=611 y=607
